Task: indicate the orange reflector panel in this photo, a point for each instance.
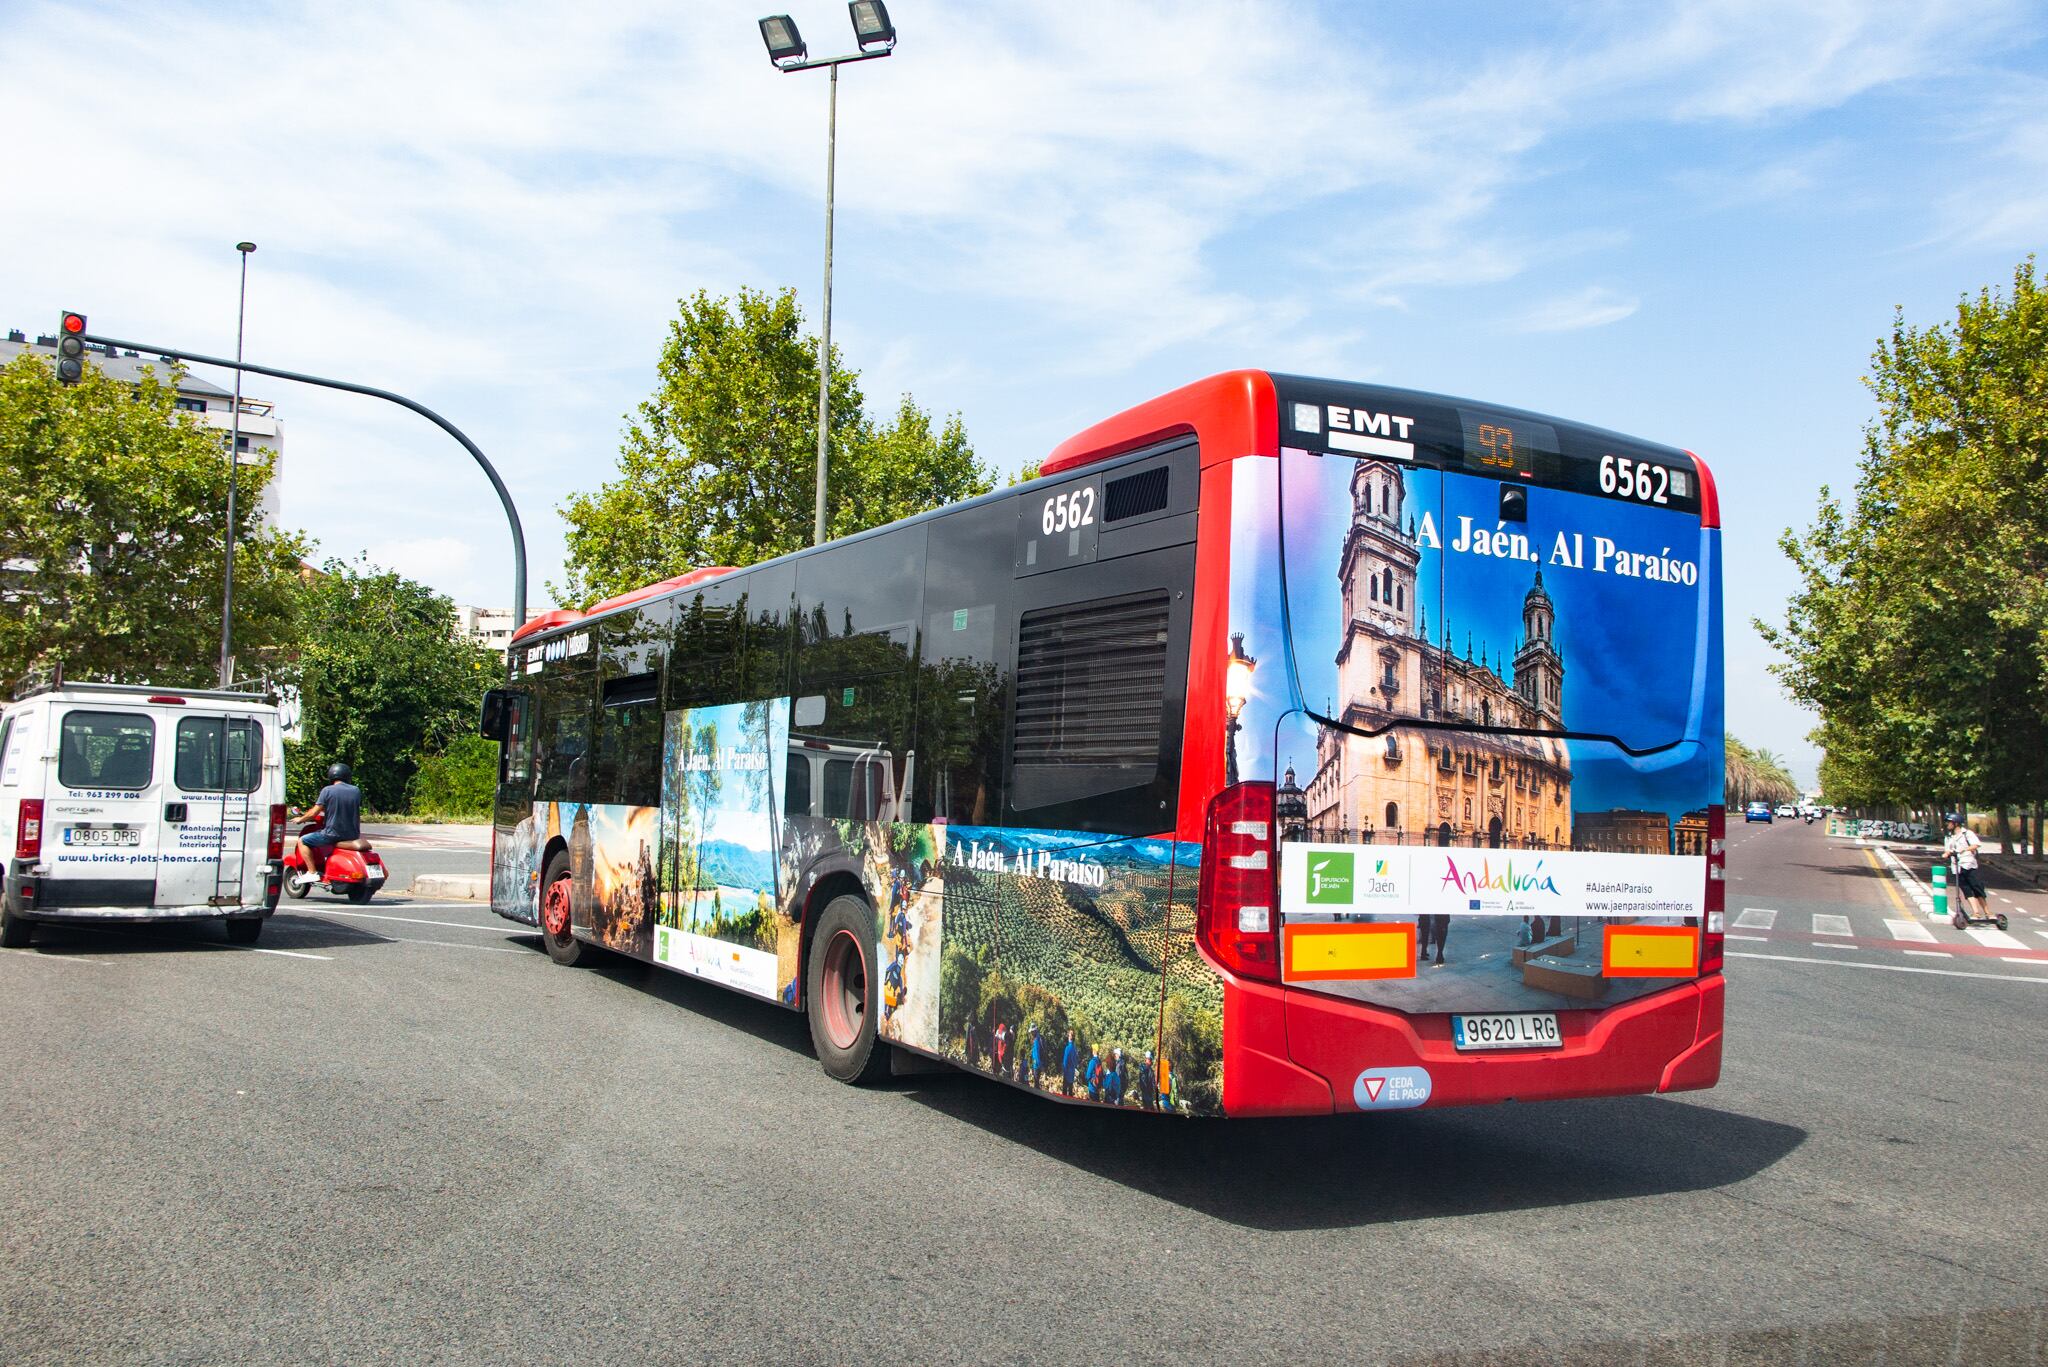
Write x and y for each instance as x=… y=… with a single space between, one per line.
x=1320 y=952
x=1651 y=952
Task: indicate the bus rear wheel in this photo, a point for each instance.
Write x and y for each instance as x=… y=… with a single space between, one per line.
x=555 y=904
x=841 y=991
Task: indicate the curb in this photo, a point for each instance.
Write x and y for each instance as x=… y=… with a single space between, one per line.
x=470 y=888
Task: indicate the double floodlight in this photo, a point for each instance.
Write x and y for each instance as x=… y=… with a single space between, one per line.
x=872 y=32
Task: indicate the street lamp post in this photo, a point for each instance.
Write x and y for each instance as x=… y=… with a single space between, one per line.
x=227 y=596
x=875 y=36
x=1237 y=691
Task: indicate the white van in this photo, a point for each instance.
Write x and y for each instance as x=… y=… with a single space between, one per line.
x=126 y=802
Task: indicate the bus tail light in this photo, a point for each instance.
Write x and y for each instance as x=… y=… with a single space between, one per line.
x=276 y=847
x=28 y=829
x=1713 y=926
x=1237 y=912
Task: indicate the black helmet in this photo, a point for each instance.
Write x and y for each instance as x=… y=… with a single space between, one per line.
x=339 y=773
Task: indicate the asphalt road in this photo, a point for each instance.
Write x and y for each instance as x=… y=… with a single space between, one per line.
x=398 y=1132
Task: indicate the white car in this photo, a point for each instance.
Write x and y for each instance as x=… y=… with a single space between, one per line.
x=1787 y=809
x=128 y=802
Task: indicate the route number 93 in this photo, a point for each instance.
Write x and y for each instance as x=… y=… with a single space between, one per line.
x=1636 y=479
x=1064 y=512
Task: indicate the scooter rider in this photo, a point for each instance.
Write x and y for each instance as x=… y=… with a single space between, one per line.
x=339 y=809
x=1961 y=845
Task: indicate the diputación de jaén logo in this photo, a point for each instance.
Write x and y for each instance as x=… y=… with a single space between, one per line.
x=1329 y=878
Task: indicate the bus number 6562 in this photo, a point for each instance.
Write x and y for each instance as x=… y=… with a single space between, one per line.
x=1065 y=511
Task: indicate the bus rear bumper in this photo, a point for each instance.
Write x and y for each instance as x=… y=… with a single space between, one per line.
x=1292 y=1052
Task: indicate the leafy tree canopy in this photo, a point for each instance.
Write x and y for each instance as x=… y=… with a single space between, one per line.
x=1920 y=629
x=720 y=467
x=113 y=515
x=383 y=679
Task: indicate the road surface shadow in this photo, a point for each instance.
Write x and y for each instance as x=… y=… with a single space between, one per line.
x=1346 y=1171
x=286 y=930
x=1315 y=1172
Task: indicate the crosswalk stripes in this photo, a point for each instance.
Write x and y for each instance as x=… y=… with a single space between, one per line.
x=1994 y=937
x=1865 y=928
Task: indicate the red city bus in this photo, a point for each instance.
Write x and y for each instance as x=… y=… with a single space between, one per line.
x=1289 y=747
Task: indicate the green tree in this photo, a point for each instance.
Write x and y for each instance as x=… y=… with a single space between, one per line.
x=459 y=783
x=720 y=467
x=384 y=680
x=1920 y=629
x=113 y=516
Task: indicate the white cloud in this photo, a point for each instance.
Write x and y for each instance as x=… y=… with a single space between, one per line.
x=1592 y=307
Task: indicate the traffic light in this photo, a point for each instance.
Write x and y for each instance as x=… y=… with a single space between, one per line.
x=71 y=349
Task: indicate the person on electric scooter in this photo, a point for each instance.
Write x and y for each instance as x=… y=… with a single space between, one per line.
x=1961 y=845
x=339 y=809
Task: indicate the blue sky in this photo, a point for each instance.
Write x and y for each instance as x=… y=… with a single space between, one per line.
x=1688 y=222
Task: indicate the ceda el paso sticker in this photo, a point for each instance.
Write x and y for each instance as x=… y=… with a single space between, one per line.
x=1391 y=1089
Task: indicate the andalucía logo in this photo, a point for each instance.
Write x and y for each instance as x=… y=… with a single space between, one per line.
x=1329 y=878
x=1507 y=880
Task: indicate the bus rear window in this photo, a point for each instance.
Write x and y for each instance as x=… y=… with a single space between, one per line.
x=106 y=750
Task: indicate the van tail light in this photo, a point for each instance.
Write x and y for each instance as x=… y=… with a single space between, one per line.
x=28 y=829
x=1237 y=910
x=276 y=848
x=1713 y=927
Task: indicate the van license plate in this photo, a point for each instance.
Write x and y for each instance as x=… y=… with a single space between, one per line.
x=1507 y=1030
x=101 y=835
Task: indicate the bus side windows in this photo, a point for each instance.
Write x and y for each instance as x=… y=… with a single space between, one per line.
x=628 y=766
x=565 y=761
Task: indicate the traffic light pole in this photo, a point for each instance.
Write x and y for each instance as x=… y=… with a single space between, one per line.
x=490 y=472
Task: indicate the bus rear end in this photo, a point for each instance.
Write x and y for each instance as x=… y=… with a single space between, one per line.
x=1465 y=666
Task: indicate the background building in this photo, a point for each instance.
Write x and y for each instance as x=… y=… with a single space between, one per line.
x=490 y=628
x=262 y=435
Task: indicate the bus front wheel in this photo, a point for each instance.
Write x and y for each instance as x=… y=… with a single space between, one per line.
x=841 y=992
x=563 y=946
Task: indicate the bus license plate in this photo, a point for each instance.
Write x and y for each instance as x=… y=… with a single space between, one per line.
x=101 y=835
x=1507 y=1030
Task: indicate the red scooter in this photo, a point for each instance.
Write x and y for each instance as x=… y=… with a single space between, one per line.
x=353 y=869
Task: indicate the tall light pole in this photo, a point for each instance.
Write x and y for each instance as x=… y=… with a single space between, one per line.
x=227 y=597
x=875 y=36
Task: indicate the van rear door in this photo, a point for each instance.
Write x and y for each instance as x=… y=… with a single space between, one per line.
x=213 y=810
x=100 y=817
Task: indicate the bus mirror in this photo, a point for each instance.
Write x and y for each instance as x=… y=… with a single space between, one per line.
x=809 y=711
x=497 y=711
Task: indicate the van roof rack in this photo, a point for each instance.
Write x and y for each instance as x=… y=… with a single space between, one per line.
x=34 y=685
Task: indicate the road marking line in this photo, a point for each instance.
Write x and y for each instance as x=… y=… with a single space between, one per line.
x=1823 y=944
x=1909 y=930
x=1885 y=968
x=415 y=920
x=1889 y=889
x=1929 y=953
x=288 y=953
x=1827 y=923
x=450 y=944
x=1757 y=918
x=1758 y=938
x=1993 y=936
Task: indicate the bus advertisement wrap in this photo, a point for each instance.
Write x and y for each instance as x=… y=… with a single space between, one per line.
x=1491 y=730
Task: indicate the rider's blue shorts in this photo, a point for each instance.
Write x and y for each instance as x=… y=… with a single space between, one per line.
x=320 y=839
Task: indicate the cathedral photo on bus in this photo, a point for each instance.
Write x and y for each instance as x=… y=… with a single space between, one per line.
x=1463 y=691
